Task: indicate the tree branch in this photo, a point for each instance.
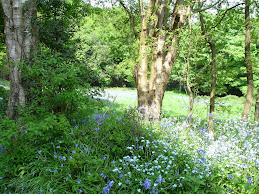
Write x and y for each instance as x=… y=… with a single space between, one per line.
x=225 y=14
x=256 y=4
x=131 y=20
x=204 y=9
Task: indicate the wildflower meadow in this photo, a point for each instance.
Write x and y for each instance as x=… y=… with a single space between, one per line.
x=110 y=151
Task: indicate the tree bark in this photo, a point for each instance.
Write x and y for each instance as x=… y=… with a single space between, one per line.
x=164 y=41
x=248 y=63
x=257 y=106
x=20 y=43
x=188 y=73
x=213 y=77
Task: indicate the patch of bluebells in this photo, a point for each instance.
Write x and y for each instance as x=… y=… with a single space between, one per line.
x=169 y=162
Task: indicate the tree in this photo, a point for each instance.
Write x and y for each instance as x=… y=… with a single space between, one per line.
x=161 y=25
x=248 y=63
x=20 y=41
x=213 y=74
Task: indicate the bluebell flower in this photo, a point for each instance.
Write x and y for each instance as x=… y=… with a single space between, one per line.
x=230 y=176
x=155 y=191
x=113 y=162
x=97 y=129
x=80 y=191
x=104 y=158
x=60 y=141
x=58 y=147
x=71 y=157
x=250 y=181
x=86 y=150
x=74 y=120
x=50 y=189
x=160 y=180
x=103 y=175
x=121 y=176
x=78 y=181
x=89 y=173
x=73 y=151
x=56 y=170
x=147 y=184
x=136 y=139
x=39 y=152
x=76 y=127
x=40 y=191
x=71 y=131
x=127 y=182
x=5 y=188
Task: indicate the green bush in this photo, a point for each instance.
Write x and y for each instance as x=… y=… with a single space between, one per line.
x=4 y=94
x=53 y=84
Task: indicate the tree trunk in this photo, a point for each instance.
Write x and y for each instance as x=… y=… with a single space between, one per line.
x=20 y=43
x=188 y=83
x=248 y=62
x=257 y=106
x=164 y=42
x=213 y=78
x=188 y=72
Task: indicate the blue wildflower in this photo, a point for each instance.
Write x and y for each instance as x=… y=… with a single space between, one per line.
x=103 y=175
x=80 y=191
x=230 y=176
x=78 y=181
x=104 y=158
x=160 y=180
x=147 y=184
x=86 y=150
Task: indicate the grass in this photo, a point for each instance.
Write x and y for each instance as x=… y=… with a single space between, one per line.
x=111 y=150
x=176 y=104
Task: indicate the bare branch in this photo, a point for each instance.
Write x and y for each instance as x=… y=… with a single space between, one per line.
x=131 y=20
x=204 y=9
x=225 y=14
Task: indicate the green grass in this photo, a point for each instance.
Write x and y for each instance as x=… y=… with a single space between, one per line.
x=176 y=104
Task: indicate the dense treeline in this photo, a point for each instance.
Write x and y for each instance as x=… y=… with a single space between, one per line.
x=102 y=40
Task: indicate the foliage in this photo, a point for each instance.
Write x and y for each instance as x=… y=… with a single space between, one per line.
x=107 y=47
x=229 y=38
x=4 y=95
x=4 y=69
x=57 y=22
x=52 y=82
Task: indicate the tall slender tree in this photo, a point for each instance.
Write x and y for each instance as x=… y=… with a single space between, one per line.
x=213 y=74
x=20 y=41
x=248 y=62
